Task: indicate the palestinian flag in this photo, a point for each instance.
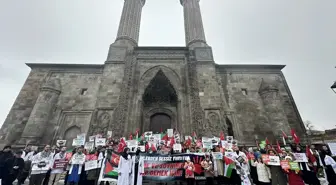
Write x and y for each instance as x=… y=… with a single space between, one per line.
x=111 y=166
x=229 y=165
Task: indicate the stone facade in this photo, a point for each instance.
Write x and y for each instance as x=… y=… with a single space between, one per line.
x=138 y=85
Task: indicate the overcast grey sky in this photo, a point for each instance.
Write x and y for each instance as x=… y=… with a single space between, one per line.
x=299 y=34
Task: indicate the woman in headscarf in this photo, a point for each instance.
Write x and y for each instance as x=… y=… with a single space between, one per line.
x=330 y=166
x=125 y=168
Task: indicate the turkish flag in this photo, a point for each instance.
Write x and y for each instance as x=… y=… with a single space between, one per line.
x=296 y=138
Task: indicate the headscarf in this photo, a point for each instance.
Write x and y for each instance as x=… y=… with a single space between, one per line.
x=124 y=154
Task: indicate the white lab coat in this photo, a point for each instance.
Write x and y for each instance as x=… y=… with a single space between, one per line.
x=141 y=169
x=125 y=170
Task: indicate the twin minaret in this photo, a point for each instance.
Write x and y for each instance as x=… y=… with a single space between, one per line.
x=129 y=27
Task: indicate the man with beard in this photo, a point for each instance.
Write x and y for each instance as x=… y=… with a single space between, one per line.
x=5 y=154
x=56 y=173
x=13 y=167
x=41 y=163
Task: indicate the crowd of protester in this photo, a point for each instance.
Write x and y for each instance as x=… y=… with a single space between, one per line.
x=19 y=165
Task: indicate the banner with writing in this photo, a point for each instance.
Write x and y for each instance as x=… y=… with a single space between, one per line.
x=167 y=168
x=60 y=163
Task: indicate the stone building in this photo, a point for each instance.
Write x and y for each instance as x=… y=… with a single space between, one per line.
x=152 y=88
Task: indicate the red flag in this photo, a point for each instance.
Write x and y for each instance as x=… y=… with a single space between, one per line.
x=188 y=142
x=165 y=137
x=146 y=147
x=153 y=147
x=130 y=137
x=172 y=142
x=222 y=136
x=267 y=141
x=278 y=147
x=161 y=130
x=284 y=134
x=310 y=156
x=296 y=138
x=121 y=145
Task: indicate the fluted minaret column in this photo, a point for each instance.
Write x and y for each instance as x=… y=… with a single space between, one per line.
x=193 y=25
x=40 y=115
x=129 y=26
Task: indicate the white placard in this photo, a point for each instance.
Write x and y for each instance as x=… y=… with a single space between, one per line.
x=274 y=160
x=229 y=139
x=60 y=143
x=46 y=166
x=206 y=139
x=207 y=144
x=92 y=138
x=148 y=134
x=89 y=145
x=78 y=142
x=300 y=157
x=78 y=159
x=100 y=142
x=170 y=132
x=157 y=137
x=90 y=165
x=109 y=134
x=332 y=147
x=177 y=147
x=217 y=155
x=81 y=136
x=215 y=141
x=142 y=148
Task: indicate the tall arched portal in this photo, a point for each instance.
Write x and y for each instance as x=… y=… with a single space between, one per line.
x=159 y=104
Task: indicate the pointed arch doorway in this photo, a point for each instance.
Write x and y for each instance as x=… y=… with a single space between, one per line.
x=159 y=104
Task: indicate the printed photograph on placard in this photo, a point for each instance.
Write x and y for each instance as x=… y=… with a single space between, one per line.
x=229 y=139
x=60 y=143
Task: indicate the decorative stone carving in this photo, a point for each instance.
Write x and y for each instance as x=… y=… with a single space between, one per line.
x=119 y=115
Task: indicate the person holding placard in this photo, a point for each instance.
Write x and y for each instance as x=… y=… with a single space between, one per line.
x=294 y=177
x=41 y=163
x=189 y=172
x=125 y=168
x=278 y=178
x=263 y=171
x=76 y=162
x=56 y=171
x=308 y=174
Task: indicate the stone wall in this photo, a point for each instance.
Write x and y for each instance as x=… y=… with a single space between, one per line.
x=242 y=85
x=22 y=107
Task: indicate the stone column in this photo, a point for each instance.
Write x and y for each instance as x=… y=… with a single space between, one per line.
x=128 y=32
x=193 y=25
x=40 y=115
x=269 y=94
x=129 y=26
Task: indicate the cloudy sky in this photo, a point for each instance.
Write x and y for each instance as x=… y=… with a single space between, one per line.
x=299 y=34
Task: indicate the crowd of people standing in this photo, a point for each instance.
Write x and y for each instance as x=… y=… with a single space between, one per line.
x=23 y=164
